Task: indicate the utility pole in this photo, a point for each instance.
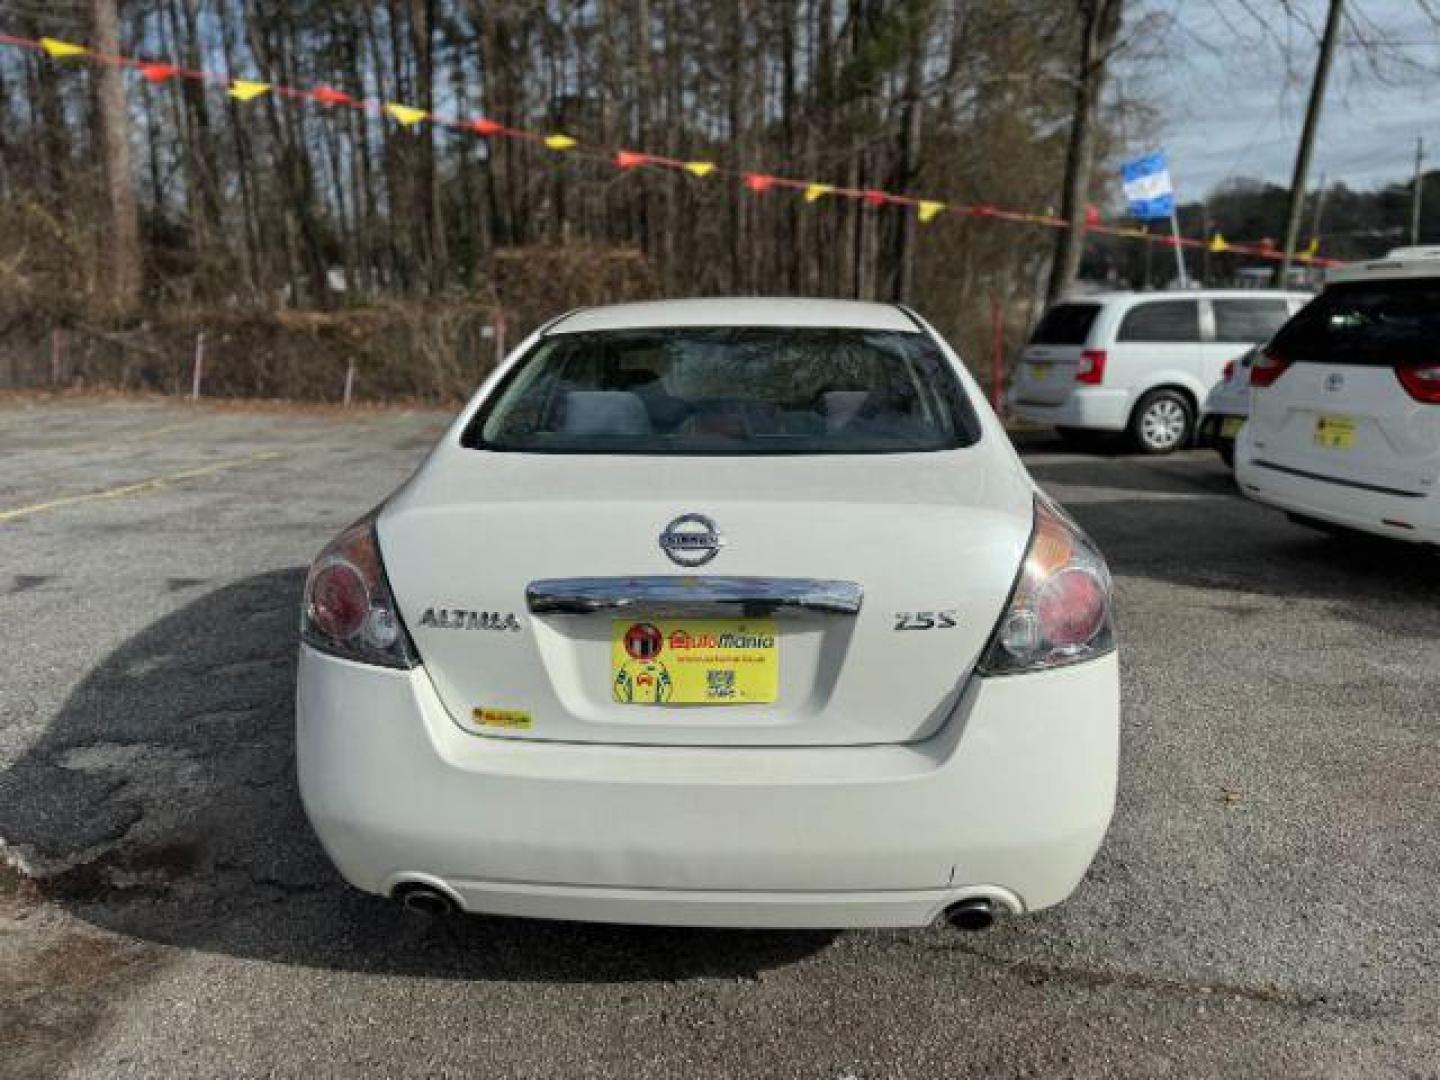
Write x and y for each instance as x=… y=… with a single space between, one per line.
x=1318 y=220
x=1307 y=136
x=1417 y=191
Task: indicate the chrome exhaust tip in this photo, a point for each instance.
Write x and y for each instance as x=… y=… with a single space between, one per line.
x=424 y=900
x=972 y=915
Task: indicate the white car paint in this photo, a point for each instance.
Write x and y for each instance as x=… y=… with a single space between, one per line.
x=890 y=778
x=1386 y=479
x=1046 y=390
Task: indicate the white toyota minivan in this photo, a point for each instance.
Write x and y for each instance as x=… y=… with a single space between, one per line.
x=1142 y=363
x=1344 y=429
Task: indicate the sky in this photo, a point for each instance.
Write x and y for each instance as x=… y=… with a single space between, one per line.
x=1229 y=93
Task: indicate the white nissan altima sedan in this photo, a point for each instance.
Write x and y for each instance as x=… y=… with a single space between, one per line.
x=720 y=613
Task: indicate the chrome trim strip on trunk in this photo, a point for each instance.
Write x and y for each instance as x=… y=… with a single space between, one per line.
x=697 y=596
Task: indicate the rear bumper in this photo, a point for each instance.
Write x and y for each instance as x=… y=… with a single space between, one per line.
x=1010 y=800
x=1333 y=500
x=1086 y=407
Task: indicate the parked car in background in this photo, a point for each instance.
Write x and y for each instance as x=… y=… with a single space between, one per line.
x=716 y=612
x=1141 y=363
x=1228 y=406
x=1344 y=428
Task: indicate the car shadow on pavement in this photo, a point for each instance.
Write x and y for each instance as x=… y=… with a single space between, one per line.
x=162 y=804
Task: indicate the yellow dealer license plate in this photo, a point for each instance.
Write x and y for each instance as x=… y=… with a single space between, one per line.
x=1039 y=372
x=694 y=661
x=1335 y=432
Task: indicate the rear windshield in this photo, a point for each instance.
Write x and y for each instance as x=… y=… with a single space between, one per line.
x=737 y=391
x=1367 y=322
x=1065 y=324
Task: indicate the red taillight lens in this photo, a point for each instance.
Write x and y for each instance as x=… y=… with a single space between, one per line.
x=348 y=608
x=339 y=602
x=1229 y=372
x=1091 y=369
x=1421 y=382
x=1059 y=612
x=1269 y=366
x=1070 y=608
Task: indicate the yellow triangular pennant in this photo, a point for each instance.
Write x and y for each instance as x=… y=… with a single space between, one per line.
x=700 y=168
x=405 y=115
x=61 y=49
x=1217 y=243
x=817 y=191
x=245 y=90
x=1313 y=248
x=929 y=208
x=559 y=142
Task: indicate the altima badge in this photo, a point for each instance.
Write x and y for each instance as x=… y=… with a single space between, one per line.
x=691 y=540
x=1334 y=381
x=457 y=619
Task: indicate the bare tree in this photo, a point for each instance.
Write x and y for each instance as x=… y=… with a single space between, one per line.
x=125 y=280
x=1099 y=28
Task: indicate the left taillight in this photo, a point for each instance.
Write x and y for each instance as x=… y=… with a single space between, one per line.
x=1269 y=365
x=348 y=609
x=1091 y=368
x=1421 y=381
x=1059 y=609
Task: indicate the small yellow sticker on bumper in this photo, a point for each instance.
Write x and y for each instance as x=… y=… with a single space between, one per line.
x=515 y=719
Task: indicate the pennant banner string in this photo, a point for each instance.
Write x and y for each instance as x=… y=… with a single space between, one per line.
x=759 y=183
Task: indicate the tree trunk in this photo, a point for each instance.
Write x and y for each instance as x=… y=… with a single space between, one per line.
x=1100 y=25
x=124 y=280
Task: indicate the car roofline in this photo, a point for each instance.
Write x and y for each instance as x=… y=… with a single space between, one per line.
x=750 y=311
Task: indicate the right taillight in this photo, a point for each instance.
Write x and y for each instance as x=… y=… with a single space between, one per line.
x=1269 y=365
x=1059 y=610
x=1229 y=373
x=1091 y=369
x=1421 y=381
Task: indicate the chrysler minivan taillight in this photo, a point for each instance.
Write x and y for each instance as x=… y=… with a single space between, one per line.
x=1091 y=369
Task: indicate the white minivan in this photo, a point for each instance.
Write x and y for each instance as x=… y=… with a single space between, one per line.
x=1142 y=363
x=1344 y=429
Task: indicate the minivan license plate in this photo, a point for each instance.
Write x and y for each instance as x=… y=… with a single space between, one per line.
x=664 y=661
x=1335 y=432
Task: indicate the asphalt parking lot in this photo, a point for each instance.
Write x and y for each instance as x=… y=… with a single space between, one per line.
x=1265 y=904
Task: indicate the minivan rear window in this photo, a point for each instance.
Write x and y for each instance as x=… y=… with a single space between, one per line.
x=1065 y=324
x=729 y=391
x=1367 y=323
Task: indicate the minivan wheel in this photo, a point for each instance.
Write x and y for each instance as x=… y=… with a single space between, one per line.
x=1162 y=423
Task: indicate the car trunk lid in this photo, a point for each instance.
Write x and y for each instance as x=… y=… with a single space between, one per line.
x=1340 y=410
x=880 y=578
x=1350 y=423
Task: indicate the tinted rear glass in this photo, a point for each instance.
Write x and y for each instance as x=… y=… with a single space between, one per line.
x=1065 y=324
x=1367 y=322
x=1248 y=321
x=737 y=391
x=1162 y=320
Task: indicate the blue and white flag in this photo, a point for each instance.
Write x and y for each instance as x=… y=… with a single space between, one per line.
x=1148 y=188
